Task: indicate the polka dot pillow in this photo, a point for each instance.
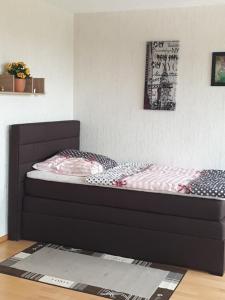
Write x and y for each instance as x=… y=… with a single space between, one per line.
x=105 y=161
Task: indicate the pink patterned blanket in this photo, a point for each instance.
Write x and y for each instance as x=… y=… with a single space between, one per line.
x=162 y=178
x=147 y=177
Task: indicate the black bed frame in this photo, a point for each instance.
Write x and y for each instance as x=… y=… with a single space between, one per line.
x=90 y=226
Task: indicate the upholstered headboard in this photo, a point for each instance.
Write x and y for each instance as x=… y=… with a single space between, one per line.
x=30 y=143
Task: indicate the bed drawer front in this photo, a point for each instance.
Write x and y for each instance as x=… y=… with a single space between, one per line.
x=153 y=246
x=131 y=218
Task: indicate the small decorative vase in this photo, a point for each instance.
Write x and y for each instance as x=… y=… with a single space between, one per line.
x=20 y=85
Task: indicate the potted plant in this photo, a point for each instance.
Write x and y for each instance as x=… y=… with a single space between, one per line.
x=21 y=72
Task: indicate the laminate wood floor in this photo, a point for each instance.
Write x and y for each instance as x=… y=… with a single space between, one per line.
x=194 y=286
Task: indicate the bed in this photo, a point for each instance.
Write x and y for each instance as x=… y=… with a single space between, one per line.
x=180 y=230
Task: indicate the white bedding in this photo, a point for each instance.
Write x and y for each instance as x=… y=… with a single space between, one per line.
x=49 y=176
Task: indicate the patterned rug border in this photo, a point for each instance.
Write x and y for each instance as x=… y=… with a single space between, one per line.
x=165 y=290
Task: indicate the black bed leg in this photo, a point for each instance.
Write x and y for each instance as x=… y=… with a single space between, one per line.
x=217 y=273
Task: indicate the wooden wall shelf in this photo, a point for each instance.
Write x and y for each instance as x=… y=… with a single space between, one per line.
x=34 y=86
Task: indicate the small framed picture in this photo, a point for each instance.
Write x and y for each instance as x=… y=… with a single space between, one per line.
x=218 y=69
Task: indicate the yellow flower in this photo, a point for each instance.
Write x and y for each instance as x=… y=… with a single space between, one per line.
x=27 y=71
x=8 y=67
x=21 y=75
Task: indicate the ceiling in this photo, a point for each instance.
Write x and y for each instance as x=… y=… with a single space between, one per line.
x=85 y=6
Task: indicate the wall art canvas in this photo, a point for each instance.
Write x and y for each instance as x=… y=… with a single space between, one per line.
x=218 y=69
x=161 y=75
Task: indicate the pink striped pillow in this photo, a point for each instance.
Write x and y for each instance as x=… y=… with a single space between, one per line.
x=69 y=166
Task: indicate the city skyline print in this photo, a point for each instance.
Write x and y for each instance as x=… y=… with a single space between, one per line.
x=161 y=75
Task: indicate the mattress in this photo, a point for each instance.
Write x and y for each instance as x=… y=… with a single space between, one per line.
x=53 y=177
x=49 y=176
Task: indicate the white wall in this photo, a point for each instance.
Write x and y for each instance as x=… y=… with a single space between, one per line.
x=93 y=6
x=42 y=36
x=109 y=86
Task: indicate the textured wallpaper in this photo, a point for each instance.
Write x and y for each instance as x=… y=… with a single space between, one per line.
x=109 y=70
